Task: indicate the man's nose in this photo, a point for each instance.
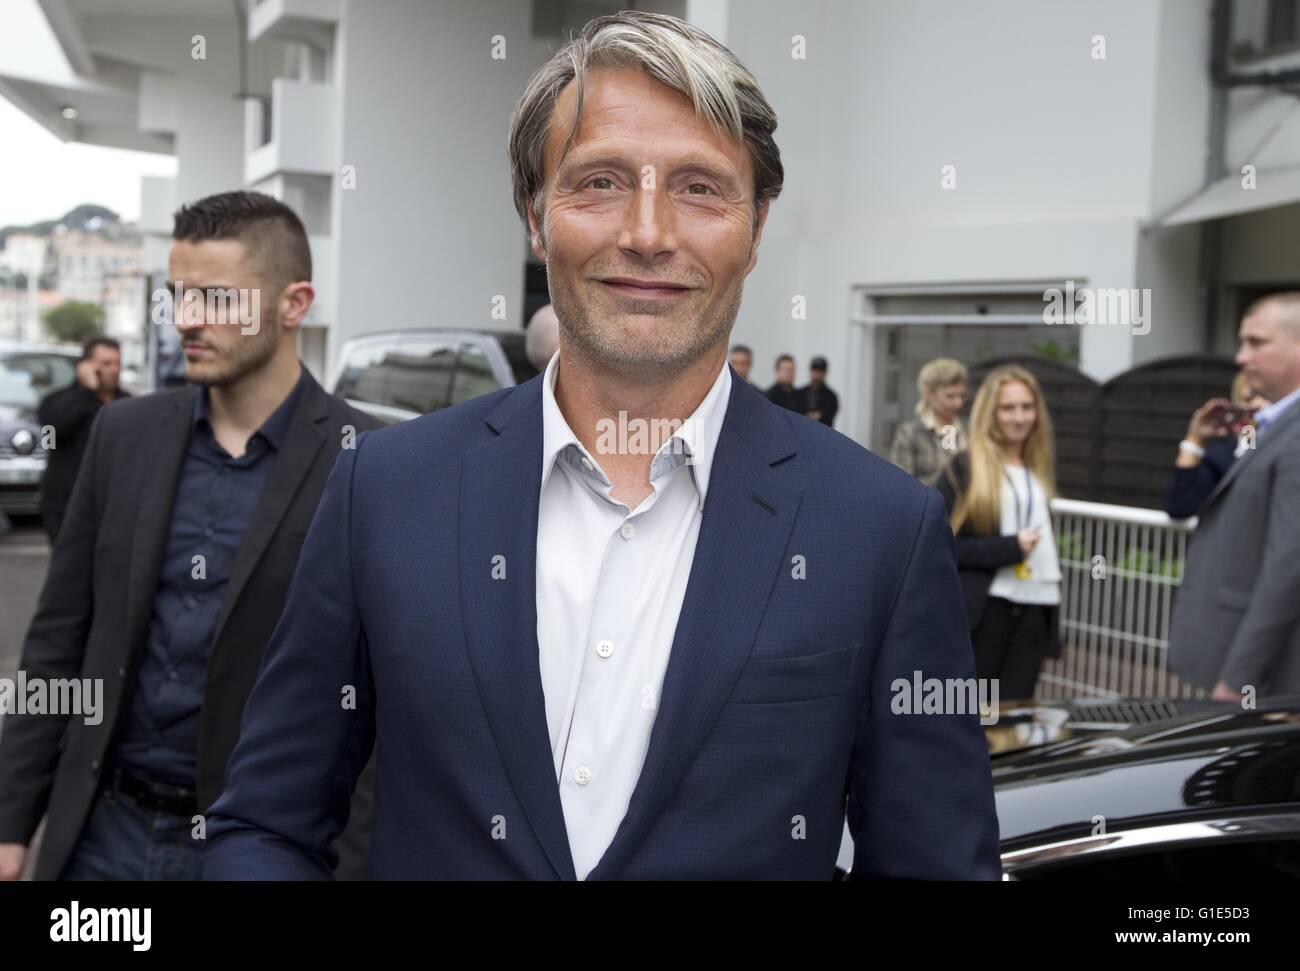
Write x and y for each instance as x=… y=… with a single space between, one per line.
x=649 y=230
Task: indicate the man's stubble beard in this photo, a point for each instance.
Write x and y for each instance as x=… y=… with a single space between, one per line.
x=249 y=354
x=642 y=364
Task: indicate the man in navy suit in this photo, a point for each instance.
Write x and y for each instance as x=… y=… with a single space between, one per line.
x=629 y=619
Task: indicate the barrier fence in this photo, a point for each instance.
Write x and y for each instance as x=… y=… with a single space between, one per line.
x=1120 y=568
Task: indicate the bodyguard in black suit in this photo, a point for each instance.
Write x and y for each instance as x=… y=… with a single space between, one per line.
x=172 y=566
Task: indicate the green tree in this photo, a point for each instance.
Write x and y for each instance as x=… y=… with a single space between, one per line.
x=74 y=321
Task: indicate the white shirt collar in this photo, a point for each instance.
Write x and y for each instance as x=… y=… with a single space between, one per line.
x=698 y=435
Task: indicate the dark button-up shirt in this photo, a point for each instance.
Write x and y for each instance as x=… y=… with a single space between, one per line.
x=784 y=395
x=215 y=500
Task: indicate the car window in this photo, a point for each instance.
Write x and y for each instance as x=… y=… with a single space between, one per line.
x=16 y=389
x=474 y=375
x=45 y=372
x=421 y=374
x=367 y=373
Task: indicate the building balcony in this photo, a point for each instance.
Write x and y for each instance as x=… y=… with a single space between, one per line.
x=311 y=21
x=302 y=135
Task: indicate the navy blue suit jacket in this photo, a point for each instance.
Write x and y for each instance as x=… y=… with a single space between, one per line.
x=822 y=574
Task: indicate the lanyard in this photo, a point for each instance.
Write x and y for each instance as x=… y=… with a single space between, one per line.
x=1029 y=501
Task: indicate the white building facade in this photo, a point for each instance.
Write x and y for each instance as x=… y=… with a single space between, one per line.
x=947 y=163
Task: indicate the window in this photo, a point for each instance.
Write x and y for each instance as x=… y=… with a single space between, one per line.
x=420 y=375
x=365 y=375
x=474 y=375
x=1281 y=30
x=45 y=372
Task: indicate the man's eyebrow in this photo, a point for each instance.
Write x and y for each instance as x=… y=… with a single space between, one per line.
x=693 y=163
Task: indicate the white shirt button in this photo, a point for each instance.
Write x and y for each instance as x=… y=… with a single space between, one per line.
x=582 y=775
x=587 y=464
x=605 y=648
x=627 y=530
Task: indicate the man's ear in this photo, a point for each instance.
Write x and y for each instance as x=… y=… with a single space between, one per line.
x=295 y=301
x=535 y=231
x=758 y=234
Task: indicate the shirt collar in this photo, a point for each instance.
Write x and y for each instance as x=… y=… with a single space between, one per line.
x=928 y=420
x=276 y=425
x=698 y=434
x=1266 y=416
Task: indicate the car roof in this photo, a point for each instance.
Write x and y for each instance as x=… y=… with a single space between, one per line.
x=22 y=347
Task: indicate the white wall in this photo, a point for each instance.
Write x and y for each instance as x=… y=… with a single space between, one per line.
x=430 y=234
x=1055 y=157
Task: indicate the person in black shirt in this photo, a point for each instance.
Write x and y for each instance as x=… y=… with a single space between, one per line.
x=817 y=401
x=783 y=393
x=69 y=411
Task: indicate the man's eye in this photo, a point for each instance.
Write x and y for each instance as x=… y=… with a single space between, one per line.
x=699 y=185
x=591 y=183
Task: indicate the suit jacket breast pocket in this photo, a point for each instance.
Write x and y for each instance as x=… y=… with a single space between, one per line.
x=771 y=680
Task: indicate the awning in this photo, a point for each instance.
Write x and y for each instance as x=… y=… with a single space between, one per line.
x=1279 y=186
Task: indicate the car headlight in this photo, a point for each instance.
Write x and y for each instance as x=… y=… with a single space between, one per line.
x=23 y=442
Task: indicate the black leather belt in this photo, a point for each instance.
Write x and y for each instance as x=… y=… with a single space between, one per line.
x=148 y=794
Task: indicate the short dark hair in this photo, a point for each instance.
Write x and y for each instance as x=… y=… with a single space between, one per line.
x=784 y=357
x=741 y=349
x=88 y=348
x=271 y=232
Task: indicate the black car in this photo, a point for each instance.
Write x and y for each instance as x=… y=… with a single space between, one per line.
x=1166 y=790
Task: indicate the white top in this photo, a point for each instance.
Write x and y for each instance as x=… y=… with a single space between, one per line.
x=610 y=584
x=1024 y=506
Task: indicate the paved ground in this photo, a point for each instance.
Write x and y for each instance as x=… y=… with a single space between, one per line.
x=24 y=556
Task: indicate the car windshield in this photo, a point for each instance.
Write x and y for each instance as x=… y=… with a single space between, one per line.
x=16 y=389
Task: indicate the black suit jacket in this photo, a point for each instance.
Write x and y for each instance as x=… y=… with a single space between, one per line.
x=92 y=618
x=980 y=557
x=70 y=411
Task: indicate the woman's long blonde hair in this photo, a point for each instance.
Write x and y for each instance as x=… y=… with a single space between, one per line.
x=981 y=502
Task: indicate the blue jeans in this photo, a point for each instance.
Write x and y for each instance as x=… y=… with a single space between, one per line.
x=122 y=841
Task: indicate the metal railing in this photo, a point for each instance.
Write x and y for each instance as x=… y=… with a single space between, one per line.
x=1120 y=567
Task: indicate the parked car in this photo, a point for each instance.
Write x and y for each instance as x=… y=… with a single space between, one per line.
x=399 y=375
x=1164 y=790
x=28 y=372
x=1153 y=790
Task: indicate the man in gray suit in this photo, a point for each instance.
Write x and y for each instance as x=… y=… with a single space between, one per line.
x=1237 y=615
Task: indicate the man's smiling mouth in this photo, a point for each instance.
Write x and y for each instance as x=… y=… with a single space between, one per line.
x=645 y=289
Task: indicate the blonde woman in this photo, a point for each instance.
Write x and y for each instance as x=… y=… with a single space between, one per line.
x=924 y=446
x=997 y=495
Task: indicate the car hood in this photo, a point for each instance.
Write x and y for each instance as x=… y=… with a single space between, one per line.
x=12 y=417
x=1107 y=761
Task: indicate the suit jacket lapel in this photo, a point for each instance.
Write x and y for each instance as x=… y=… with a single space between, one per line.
x=161 y=464
x=748 y=515
x=303 y=439
x=500 y=488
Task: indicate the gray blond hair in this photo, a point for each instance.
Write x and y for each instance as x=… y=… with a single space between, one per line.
x=672 y=52
x=936 y=374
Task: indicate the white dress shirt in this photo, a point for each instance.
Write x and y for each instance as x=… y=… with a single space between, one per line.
x=1024 y=506
x=610 y=583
